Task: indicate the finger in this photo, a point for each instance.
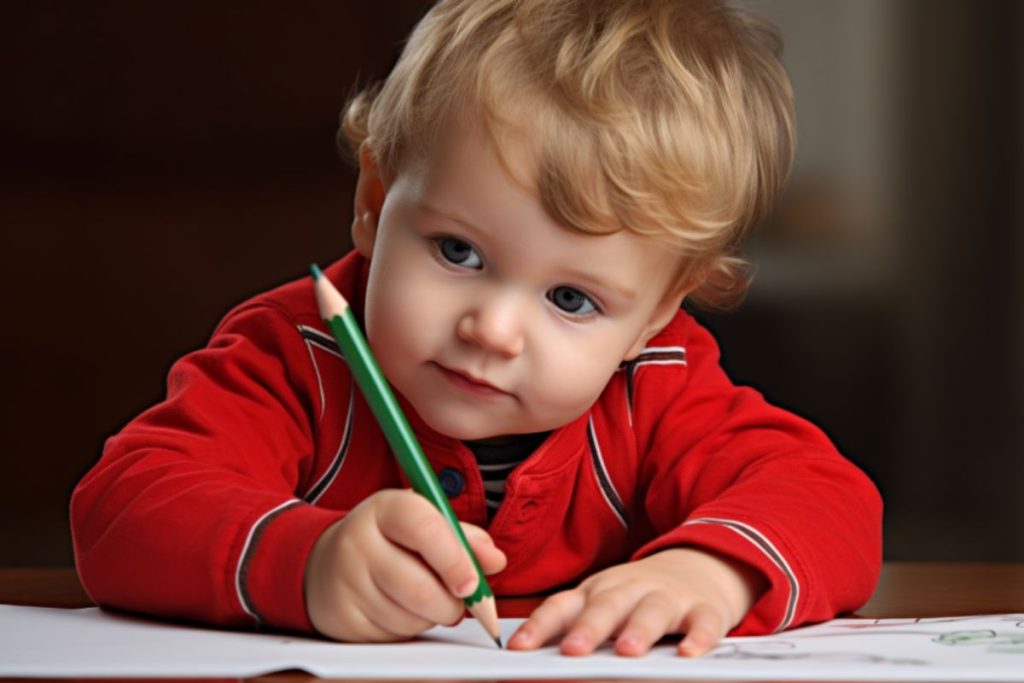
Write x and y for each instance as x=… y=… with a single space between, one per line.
x=366 y=614
x=551 y=618
x=603 y=613
x=416 y=525
x=416 y=599
x=364 y=625
x=655 y=615
x=704 y=627
x=491 y=558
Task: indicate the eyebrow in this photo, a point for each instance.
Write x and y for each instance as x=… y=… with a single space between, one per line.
x=447 y=216
x=572 y=273
x=593 y=281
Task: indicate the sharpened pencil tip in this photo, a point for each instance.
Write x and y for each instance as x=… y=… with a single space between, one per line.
x=315 y=269
x=497 y=641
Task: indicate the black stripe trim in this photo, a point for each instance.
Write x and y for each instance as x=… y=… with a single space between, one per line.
x=253 y=543
x=602 y=477
x=652 y=356
x=655 y=355
x=762 y=543
x=339 y=459
x=498 y=473
x=630 y=385
x=317 y=338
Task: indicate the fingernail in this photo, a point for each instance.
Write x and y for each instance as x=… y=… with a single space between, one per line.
x=629 y=643
x=574 y=642
x=691 y=648
x=519 y=639
x=466 y=587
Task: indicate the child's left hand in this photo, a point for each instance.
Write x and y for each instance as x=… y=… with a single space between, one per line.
x=682 y=590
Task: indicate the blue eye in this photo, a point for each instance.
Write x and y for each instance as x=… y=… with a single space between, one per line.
x=459 y=252
x=571 y=300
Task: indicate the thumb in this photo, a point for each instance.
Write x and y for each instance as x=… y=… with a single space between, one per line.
x=492 y=560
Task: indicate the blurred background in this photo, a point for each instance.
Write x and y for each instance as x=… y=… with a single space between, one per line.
x=161 y=162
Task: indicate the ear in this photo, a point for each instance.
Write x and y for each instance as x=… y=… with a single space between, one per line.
x=371 y=189
x=662 y=316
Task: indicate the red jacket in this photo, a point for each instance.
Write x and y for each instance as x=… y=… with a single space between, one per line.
x=207 y=505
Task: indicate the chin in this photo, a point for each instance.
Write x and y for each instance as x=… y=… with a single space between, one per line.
x=462 y=427
x=463 y=432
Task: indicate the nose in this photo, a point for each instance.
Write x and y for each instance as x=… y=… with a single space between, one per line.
x=495 y=324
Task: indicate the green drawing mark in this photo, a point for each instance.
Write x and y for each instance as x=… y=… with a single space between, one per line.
x=1003 y=643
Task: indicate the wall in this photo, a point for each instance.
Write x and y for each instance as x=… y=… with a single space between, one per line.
x=163 y=162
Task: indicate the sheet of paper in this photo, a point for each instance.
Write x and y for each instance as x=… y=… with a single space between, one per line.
x=44 y=642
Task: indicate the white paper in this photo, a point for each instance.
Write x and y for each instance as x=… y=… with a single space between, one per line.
x=79 y=643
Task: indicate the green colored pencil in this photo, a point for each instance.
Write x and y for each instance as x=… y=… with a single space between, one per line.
x=336 y=312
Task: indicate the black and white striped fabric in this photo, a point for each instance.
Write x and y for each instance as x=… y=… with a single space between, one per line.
x=497 y=459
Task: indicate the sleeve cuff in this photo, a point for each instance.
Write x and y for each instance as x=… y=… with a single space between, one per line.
x=777 y=608
x=269 y=577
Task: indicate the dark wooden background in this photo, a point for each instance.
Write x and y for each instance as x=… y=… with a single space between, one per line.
x=160 y=162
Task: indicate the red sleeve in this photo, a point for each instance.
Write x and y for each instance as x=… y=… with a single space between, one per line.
x=191 y=512
x=760 y=485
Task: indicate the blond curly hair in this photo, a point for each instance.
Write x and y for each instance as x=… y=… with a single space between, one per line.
x=670 y=118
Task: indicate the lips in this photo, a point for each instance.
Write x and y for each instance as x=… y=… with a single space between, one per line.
x=469 y=383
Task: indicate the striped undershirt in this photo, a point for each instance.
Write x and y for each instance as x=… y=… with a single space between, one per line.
x=497 y=459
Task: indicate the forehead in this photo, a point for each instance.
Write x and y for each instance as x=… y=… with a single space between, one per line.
x=467 y=144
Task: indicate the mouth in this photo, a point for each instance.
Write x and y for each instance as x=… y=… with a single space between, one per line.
x=470 y=384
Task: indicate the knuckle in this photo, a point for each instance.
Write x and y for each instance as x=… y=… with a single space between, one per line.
x=434 y=528
x=560 y=602
x=352 y=625
x=384 y=500
x=410 y=627
x=662 y=601
x=421 y=595
x=458 y=570
x=414 y=530
x=407 y=501
x=609 y=601
x=472 y=531
x=707 y=619
x=395 y=502
x=451 y=613
x=483 y=546
x=557 y=611
x=367 y=632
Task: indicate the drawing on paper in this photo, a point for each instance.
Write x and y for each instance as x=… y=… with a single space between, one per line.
x=786 y=650
x=798 y=646
x=1002 y=642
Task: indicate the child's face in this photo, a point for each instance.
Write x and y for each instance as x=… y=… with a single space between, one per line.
x=489 y=317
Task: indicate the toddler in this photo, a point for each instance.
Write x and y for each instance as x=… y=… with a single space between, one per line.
x=541 y=185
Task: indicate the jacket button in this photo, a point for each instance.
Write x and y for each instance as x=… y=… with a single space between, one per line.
x=452 y=481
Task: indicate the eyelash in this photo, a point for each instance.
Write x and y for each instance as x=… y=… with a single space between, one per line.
x=439 y=244
x=595 y=309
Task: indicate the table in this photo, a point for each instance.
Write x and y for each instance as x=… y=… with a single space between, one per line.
x=906 y=589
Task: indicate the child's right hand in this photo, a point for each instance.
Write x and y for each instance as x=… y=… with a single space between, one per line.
x=392 y=568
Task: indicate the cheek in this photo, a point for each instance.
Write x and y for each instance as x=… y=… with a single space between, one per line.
x=388 y=321
x=402 y=317
x=572 y=377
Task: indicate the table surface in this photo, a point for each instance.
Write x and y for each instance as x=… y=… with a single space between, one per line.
x=906 y=589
